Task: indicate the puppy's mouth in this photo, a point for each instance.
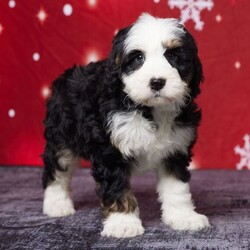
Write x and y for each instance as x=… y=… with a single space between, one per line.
x=157 y=98
x=157 y=94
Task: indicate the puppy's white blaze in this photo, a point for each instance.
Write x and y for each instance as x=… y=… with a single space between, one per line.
x=122 y=225
x=130 y=132
x=149 y=30
x=150 y=36
x=137 y=83
x=177 y=206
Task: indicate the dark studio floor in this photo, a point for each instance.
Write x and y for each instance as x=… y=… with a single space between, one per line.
x=224 y=196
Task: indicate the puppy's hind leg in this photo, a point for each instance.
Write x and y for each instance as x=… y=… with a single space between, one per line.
x=59 y=168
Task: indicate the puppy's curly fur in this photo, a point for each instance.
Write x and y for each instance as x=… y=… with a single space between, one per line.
x=89 y=113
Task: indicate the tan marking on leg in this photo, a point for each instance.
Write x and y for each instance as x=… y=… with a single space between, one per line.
x=127 y=204
x=118 y=60
x=66 y=158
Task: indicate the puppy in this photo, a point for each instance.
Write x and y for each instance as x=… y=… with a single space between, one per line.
x=131 y=112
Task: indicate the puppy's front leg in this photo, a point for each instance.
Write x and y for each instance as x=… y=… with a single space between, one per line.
x=121 y=213
x=178 y=210
x=121 y=218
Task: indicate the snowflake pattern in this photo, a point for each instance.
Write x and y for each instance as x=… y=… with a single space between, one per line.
x=244 y=153
x=191 y=9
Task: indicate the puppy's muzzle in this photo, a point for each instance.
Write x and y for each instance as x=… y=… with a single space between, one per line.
x=157 y=84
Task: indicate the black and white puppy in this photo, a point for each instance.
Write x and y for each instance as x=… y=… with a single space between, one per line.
x=133 y=111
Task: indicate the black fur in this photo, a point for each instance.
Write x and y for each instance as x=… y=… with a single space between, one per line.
x=184 y=58
x=133 y=61
x=177 y=164
x=77 y=112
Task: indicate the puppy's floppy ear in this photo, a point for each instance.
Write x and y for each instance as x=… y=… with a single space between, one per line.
x=196 y=71
x=197 y=77
x=114 y=60
x=118 y=46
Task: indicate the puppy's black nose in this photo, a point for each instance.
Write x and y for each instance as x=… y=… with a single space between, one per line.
x=157 y=83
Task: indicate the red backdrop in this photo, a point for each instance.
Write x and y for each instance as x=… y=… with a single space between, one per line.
x=39 y=39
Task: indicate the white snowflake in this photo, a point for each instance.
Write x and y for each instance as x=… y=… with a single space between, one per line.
x=191 y=9
x=244 y=153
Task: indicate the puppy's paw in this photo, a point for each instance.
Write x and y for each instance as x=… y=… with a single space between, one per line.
x=122 y=225
x=57 y=204
x=58 y=208
x=186 y=221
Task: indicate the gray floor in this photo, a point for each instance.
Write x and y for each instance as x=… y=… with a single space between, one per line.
x=224 y=196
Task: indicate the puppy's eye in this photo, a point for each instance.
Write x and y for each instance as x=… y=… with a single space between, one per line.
x=136 y=56
x=139 y=58
x=171 y=55
x=133 y=61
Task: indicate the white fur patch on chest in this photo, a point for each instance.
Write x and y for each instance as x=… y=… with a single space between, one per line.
x=136 y=136
x=131 y=133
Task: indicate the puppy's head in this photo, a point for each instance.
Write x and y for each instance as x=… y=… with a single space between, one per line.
x=157 y=61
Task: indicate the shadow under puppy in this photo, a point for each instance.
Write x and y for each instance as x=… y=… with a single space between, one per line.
x=131 y=112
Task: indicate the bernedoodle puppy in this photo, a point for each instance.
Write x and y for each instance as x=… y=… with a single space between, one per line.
x=133 y=111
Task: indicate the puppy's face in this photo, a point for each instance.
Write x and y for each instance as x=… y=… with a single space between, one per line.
x=159 y=62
